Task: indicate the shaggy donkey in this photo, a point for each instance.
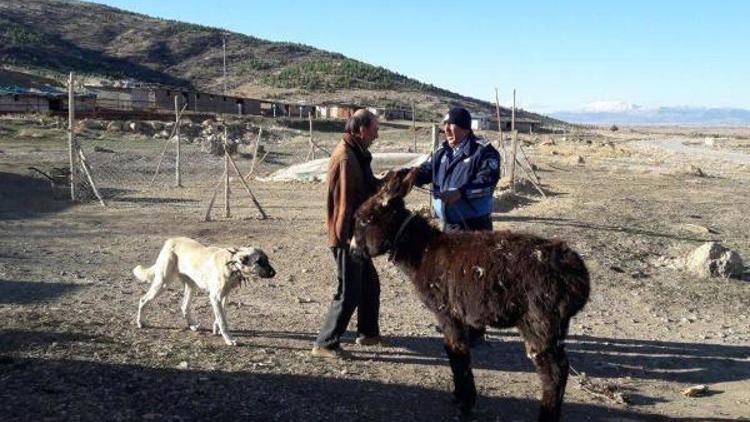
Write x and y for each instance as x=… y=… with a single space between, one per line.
x=500 y=279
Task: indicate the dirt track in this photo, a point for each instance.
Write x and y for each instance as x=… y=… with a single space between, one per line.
x=69 y=348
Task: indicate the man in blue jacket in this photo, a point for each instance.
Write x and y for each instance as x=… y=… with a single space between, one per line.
x=464 y=172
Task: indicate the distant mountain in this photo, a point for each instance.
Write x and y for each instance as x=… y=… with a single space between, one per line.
x=53 y=37
x=634 y=115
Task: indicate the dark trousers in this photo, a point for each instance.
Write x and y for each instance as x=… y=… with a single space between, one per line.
x=481 y=223
x=358 y=288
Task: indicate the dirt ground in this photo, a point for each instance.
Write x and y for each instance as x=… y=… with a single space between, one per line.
x=69 y=348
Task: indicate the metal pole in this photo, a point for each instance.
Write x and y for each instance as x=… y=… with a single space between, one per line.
x=71 y=138
x=177 y=180
x=224 y=50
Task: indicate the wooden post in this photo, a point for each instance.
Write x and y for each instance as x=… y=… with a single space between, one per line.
x=87 y=172
x=177 y=179
x=435 y=144
x=263 y=215
x=312 y=143
x=512 y=170
x=255 y=152
x=166 y=145
x=71 y=138
x=501 y=144
x=207 y=217
x=513 y=115
x=414 y=124
x=227 y=212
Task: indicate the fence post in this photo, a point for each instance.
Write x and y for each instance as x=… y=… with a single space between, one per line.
x=435 y=144
x=514 y=146
x=178 y=181
x=501 y=144
x=71 y=138
x=414 y=124
x=227 y=212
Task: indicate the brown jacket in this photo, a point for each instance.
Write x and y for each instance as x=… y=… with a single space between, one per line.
x=350 y=183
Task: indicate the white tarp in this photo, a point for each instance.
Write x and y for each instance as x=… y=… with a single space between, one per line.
x=315 y=170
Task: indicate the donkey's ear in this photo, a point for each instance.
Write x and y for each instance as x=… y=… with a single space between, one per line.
x=408 y=181
x=398 y=184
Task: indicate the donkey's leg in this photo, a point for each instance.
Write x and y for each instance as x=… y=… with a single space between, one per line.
x=548 y=354
x=457 y=347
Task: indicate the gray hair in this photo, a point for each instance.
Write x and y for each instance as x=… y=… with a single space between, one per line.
x=361 y=118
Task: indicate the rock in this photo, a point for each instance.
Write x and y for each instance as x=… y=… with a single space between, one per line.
x=689 y=170
x=579 y=160
x=102 y=149
x=214 y=145
x=114 y=126
x=182 y=365
x=163 y=134
x=92 y=124
x=157 y=126
x=695 y=391
x=714 y=260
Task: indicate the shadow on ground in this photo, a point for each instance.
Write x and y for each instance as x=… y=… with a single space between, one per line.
x=691 y=363
x=25 y=196
x=24 y=293
x=37 y=389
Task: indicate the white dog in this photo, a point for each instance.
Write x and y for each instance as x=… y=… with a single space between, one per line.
x=216 y=270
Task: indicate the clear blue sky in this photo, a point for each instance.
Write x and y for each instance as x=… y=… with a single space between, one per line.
x=560 y=55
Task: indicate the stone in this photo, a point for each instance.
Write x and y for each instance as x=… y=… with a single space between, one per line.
x=714 y=260
x=114 y=126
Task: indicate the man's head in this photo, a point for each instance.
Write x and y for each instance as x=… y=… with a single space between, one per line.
x=364 y=125
x=457 y=125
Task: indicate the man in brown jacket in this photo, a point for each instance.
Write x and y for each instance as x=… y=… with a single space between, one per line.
x=350 y=183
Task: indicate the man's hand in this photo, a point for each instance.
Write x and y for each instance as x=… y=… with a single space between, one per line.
x=450 y=197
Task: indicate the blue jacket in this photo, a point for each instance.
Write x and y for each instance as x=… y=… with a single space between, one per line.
x=473 y=169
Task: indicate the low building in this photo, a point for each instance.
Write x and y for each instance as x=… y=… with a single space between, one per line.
x=23 y=102
x=335 y=110
x=483 y=121
x=162 y=99
x=387 y=113
x=523 y=125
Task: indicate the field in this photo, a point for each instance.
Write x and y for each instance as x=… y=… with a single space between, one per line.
x=69 y=348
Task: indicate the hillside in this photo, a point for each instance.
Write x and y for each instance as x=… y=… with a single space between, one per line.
x=53 y=37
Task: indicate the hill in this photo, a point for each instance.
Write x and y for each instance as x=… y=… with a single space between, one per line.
x=53 y=37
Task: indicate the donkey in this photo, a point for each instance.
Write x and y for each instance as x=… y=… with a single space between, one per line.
x=474 y=279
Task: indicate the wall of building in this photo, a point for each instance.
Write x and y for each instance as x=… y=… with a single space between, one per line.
x=23 y=103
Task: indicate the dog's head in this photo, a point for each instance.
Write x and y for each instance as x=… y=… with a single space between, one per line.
x=253 y=261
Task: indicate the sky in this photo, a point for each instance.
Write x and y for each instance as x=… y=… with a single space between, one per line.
x=558 y=55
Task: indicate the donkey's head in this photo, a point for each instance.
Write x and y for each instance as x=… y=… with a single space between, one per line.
x=378 y=219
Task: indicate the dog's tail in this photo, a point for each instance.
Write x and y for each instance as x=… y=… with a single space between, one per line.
x=144 y=274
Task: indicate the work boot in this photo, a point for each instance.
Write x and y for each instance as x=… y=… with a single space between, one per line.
x=330 y=353
x=369 y=341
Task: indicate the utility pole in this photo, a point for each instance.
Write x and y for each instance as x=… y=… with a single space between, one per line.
x=224 y=49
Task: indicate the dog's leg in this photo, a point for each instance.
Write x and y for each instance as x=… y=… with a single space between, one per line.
x=221 y=320
x=163 y=269
x=186 y=311
x=152 y=293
